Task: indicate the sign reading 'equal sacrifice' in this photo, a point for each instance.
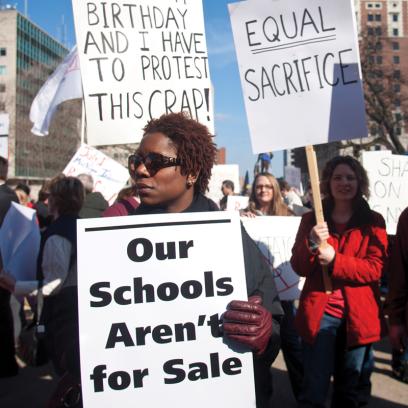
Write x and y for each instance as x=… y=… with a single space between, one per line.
x=138 y=61
x=300 y=74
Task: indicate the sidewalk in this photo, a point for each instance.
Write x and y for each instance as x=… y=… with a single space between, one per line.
x=33 y=386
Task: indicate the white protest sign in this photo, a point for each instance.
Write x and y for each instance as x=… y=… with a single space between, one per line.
x=219 y=173
x=109 y=176
x=151 y=292
x=140 y=60
x=275 y=237
x=292 y=175
x=387 y=174
x=20 y=242
x=236 y=203
x=300 y=71
x=4 y=124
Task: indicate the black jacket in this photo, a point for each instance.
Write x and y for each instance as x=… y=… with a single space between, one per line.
x=259 y=281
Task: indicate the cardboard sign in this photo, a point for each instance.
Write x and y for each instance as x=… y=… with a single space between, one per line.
x=219 y=173
x=151 y=293
x=387 y=174
x=292 y=175
x=236 y=203
x=300 y=71
x=109 y=176
x=140 y=60
x=275 y=237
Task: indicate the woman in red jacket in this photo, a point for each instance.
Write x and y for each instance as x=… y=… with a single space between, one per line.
x=339 y=328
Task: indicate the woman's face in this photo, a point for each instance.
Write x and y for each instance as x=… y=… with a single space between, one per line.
x=263 y=190
x=168 y=187
x=343 y=183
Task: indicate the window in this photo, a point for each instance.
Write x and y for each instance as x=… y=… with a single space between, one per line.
x=3 y=52
x=397 y=88
x=371 y=59
x=370 y=17
x=379 y=59
x=396 y=59
x=398 y=131
x=2 y=87
x=395 y=17
x=378 y=31
x=397 y=74
x=397 y=103
x=395 y=32
x=398 y=116
x=2 y=70
x=395 y=45
x=370 y=30
x=378 y=17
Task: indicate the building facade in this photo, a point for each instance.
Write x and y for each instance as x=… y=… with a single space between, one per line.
x=28 y=55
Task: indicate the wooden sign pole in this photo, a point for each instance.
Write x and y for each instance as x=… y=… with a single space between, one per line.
x=317 y=203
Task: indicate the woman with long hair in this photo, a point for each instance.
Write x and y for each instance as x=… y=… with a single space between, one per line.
x=339 y=328
x=266 y=197
x=171 y=169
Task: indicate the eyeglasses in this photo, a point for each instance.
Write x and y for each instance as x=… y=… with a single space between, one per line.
x=265 y=186
x=152 y=161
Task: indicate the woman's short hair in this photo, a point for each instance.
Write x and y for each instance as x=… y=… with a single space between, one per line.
x=66 y=195
x=194 y=144
x=358 y=169
x=277 y=205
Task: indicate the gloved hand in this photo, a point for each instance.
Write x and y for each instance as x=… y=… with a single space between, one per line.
x=248 y=323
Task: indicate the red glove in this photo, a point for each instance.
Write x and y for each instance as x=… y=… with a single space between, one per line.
x=248 y=323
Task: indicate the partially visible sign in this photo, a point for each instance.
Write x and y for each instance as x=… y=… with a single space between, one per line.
x=4 y=146
x=109 y=176
x=236 y=203
x=388 y=175
x=275 y=237
x=4 y=124
x=300 y=71
x=141 y=59
x=292 y=175
x=151 y=292
x=219 y=173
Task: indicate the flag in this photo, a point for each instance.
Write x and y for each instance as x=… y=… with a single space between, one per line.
x=64 y=84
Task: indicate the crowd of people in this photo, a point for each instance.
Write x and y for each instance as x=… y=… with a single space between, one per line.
x=328 y=334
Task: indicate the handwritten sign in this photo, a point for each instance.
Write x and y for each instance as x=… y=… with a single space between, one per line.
x=275 y=237
x=138 y=61
x=236 y=202
x=109 y=176
x=150 y=302
x=300 y=71
x=387 y=174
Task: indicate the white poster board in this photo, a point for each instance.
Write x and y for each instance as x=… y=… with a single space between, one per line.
x=140 y=60
x=275 y=237
x=236 y=202
x=219 y=173
x=300 y=71
x=4 y=124
x=150 y=299
x=20 y=242
x=109 y=176
x=292 y=175
x=388 y=176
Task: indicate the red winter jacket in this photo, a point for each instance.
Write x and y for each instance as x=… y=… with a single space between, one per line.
x=356 y=270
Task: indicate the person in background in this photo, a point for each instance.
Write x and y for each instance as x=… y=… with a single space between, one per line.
x=266 y=199
x=125 y=204
x=396 y=304
x=8 y=364
x=227 y=189
x=291 y=198
x=23 y=193
x=94 y=204
x=58 y=273
x=171 y=169
x=339 y=328
x=41 y=206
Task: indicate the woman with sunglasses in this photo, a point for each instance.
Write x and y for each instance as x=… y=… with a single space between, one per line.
x=339 y=328
x=171 y=169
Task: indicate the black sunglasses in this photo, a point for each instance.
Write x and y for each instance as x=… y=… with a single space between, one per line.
x=152 y=161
